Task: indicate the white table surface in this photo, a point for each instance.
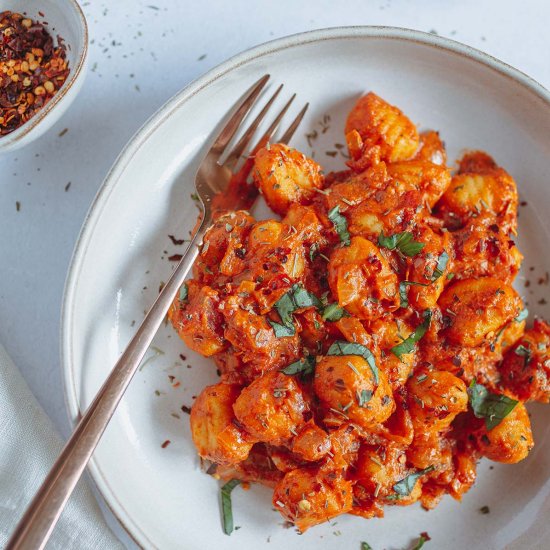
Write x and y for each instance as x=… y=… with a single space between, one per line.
x=141 y=53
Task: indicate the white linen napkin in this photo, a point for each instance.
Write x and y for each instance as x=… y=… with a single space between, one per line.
x=29 y=446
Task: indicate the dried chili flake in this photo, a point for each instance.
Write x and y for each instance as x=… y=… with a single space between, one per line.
x=32 y=69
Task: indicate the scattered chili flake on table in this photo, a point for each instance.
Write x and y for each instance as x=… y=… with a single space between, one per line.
x=165 y=444
x=32 y=69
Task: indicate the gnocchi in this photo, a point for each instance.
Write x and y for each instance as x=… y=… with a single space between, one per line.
x=370 y=345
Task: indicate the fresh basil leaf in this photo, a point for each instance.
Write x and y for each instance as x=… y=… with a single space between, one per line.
x=522 y=315
x=420 y=543
x=303 y=298
x=441 y=265
x=493 y=407
x=282 y=330
x=363 y=397
x=333 y=312
x=340 y=224
x=227 y=511
x=184 y=292
x=302 y=366
x=403 y=294
x=406 y=485
x=285 y=307
x=403 y=242
x=408 y=345
x=341 y=347
x=296 y=298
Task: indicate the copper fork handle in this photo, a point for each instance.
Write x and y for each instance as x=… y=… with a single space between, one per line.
x=43 y=512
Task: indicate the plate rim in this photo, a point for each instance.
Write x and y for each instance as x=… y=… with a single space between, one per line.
x=151 y=125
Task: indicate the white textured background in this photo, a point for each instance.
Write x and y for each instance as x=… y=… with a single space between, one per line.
x=141 y=53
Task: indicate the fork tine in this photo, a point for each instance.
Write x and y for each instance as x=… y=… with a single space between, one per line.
x=241 y=145
x=271 y=130
x=231 y=127
x=287 y=136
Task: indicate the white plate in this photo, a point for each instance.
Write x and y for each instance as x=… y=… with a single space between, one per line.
x=160 y=495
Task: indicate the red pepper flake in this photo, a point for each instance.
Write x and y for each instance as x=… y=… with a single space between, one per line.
x=426 y=536
x=171 y=377
x=175 y=241
x=176 y=385
x=166 y=443
x=32 y=69
x=186 y=409
x=175 y=257
x=182 y=357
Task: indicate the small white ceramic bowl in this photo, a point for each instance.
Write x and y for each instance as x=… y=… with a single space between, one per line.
x=64 y=18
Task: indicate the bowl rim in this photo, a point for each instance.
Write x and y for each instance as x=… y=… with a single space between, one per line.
x=132 y=147
x=10 y=139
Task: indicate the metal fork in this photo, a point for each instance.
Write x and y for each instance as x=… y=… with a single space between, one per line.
x=213 y=177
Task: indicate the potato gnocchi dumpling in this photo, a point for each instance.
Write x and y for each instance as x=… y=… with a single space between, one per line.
x=478 y=307
x=371 y=348
x=285 y=176
x=214 y=432
x=380 y=131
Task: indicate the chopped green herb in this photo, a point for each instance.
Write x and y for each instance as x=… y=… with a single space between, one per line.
x=333 y=312
x=366 y=546
x=184 y=292
x=493 y=407
x=406 y=485
x=441 y=265
x=450 y=276
x=227 y=512
x=281 y=330
x=342 y=347
x=407 y=345
x=485 y=510
x=403 y=295
x=363 y=397
x=313 y=251
x=524 y=352
x=303 y=366
x=296 y=298
x=419 y=543
x=403 y=242
x=522 y=315
x=340 y=224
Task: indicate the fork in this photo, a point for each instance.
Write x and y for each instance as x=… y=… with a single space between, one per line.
x=213 y=177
